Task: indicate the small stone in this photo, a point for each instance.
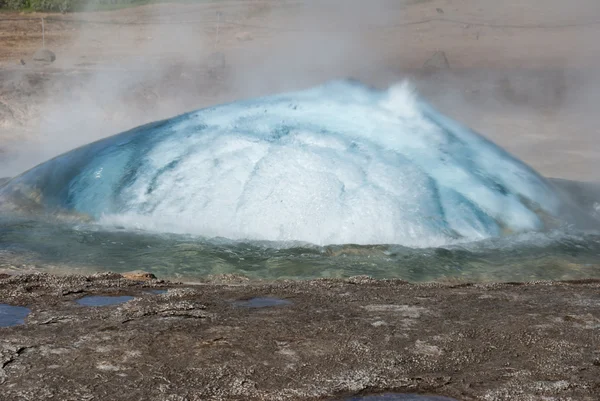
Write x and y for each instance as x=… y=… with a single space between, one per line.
x=44 y=55
x=138 y=276
x=22 y=61
x=439 y=10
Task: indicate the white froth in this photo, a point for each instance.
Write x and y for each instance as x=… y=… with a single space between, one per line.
x=339 y=163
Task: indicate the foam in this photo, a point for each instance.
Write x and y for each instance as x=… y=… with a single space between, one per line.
x=339 y=163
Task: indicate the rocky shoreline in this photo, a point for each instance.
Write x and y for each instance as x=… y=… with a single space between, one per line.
x=329 y=339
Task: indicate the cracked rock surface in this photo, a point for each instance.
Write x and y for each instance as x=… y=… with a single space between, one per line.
x=532 y=341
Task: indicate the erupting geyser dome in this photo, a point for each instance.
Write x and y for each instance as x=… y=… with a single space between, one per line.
x=340 y=163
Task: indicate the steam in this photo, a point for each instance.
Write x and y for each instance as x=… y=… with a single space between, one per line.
x=524 y=85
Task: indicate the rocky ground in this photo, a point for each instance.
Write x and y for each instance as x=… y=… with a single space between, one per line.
x=533 y=341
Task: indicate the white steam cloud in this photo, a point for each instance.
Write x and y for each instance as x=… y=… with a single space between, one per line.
x=523 y=73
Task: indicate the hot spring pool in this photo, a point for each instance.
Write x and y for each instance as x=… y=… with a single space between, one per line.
x=334 y=181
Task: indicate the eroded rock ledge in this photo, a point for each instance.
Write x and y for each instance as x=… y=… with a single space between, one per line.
x=533 y=341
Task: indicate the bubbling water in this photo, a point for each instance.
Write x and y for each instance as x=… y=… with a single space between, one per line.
x=340 y=163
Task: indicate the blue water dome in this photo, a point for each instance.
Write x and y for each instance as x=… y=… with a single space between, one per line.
x=339 y=163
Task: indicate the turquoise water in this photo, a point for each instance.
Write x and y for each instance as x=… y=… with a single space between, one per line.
x=341 y=163
x=62 y=247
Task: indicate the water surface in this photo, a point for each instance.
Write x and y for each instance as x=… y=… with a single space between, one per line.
x=260 y=187
x=12 y=315
x=85 y=248
x=98 y=300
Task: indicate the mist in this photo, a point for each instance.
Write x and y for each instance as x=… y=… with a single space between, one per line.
x=521 y=73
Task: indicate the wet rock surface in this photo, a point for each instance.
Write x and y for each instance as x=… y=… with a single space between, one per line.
x=337 y=339
x=261 y=302
x=138 y=275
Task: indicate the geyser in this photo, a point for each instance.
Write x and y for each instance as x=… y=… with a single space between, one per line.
x=339 y=163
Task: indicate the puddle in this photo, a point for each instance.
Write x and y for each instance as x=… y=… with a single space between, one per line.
x=262 y=302
x=398 y=397
x=157 y=292
x=12 y=315
x=98 y=300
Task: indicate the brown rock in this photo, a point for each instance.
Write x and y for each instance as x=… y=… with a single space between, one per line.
x=138 y=275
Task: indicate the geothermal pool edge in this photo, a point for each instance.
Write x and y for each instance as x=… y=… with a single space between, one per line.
x=335 y=338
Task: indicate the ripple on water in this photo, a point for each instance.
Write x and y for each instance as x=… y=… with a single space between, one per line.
x=98 y=300
x=262 y=302
x=12 y=315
